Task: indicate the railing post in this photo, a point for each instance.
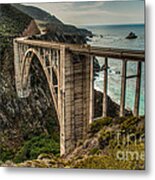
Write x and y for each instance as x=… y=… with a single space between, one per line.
x=91 y=88
x=50 y=63
x=104 y=114
x=123 y=88
x=137 y=94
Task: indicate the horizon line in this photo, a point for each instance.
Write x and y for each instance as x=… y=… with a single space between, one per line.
x=111 y=24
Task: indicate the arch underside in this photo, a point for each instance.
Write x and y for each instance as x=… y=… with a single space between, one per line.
x=49 y=67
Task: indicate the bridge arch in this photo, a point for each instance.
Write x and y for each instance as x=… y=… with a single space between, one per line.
x=49 y=73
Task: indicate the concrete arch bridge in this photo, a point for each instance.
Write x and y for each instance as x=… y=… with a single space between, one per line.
x=72 y=91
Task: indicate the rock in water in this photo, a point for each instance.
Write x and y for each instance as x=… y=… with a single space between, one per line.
x=131 y=36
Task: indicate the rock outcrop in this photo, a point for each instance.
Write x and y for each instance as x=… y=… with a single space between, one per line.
x=131 y=36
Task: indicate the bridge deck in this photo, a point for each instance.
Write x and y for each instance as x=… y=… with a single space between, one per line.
x=134 y=55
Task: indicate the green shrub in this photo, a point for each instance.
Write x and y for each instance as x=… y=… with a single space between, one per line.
x=97 y=125
x=6 y=154
x=36 y=146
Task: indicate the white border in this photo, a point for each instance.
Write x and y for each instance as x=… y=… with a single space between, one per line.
x=69 y=174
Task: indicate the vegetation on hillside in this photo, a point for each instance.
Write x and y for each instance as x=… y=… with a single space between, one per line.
x=36 y=146
x=112 y=143
x=12 y=21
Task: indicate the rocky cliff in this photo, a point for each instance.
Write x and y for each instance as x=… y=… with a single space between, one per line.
x=20 y=119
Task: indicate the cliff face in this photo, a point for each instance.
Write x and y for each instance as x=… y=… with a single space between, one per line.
x=31 y=29
x=21 y=118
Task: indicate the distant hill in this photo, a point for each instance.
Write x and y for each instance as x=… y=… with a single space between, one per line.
x=37 y=13
x=50 y=22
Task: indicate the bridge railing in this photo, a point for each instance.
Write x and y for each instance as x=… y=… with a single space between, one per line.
x=137 y=56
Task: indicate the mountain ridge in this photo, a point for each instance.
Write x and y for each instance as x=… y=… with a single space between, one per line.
x=52 y=22
x=37 y=13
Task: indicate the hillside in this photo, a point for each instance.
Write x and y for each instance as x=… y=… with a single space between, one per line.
x=21 y=119
x=9 y=16
x=112 y=143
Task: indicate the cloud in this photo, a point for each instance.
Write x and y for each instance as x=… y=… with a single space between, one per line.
x=99 y=12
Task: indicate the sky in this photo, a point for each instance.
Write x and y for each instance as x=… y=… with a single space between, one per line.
x=99 y=12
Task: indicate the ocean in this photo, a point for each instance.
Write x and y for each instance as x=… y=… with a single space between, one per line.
x=114 y=36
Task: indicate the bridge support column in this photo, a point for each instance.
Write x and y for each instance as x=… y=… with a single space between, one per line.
x=22 y=92
x=74 y=100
